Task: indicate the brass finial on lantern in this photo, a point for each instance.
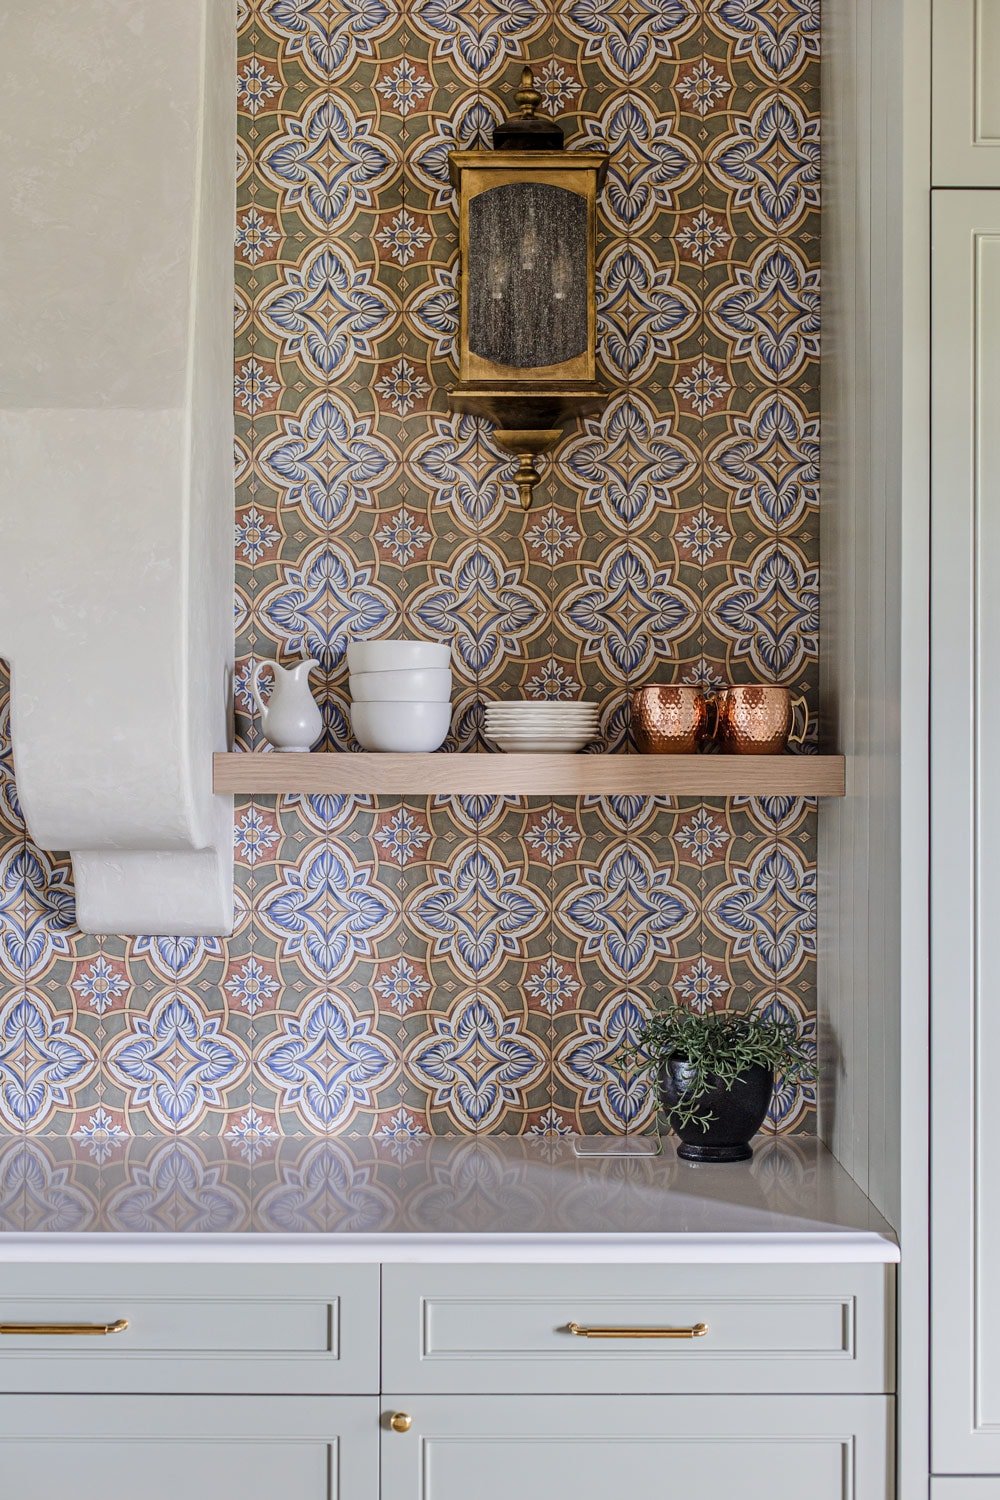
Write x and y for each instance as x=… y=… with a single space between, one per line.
x=528 y=305
x=527 y=95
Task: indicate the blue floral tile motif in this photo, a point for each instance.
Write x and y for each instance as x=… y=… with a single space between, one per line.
x=317 y=607
x=328 y=912
x=770 y=613
x=791 y=1100
x=39 y=1196
x=768 y=913
x=401 y=1135
x=327 y=312
x=177 y=957
x=770 y=313
x=328 y=163
x=41 y=1062
x=324 y=1189
x=476 y=912
x=478 y=38
x=434 y=315
x=251 y=986
x=469 y=127
x=101 y=1135
x=627 y=461
x=327 y=461
x=642 y=315
x=176 y=1061
x=627 y=913
x=101 y=984
x=464 y=470
x=590 y=1063
x=477 y=1063
x=771 y=164
x=629 y=40
x=325 y=1063
x=329 y=38
x=778 y=39
x=701 y=985
x=484 y=606
x=628 y=612
x=177 y=1192
x=770 y=462
x=253 y=1135
x=37 y=911
x=649 y=163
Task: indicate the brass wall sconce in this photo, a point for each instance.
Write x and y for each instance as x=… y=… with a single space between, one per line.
x=528 y=302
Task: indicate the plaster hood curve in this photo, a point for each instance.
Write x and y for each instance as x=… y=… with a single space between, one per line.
x=117 y=130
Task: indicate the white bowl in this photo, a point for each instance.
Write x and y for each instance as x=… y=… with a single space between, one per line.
x=397 y=656
x=422 y=685
x=399 y=727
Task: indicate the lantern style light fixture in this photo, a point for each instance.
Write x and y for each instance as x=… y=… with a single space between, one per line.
x=528 y=304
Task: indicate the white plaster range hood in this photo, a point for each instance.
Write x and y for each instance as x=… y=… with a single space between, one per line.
x=117 y=131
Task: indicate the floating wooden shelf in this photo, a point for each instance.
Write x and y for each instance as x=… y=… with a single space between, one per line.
x=534 y=775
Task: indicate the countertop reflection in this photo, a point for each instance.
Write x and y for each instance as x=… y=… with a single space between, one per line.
x=483 y=1192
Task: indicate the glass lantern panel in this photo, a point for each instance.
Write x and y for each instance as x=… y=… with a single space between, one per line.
x=527 y=275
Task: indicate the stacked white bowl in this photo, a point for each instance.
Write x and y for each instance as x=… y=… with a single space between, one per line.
x=401 y=694
x=542 y=728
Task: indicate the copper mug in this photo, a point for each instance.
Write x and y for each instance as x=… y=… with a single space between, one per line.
x=756 y=720
x=669 y=720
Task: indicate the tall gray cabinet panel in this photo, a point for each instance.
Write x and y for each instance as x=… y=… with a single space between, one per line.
x=965 y=811
x=188 y=1448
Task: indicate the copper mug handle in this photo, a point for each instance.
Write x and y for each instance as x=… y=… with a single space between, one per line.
x=799 y=738
x=713 y=718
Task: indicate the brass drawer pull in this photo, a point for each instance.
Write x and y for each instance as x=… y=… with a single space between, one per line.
x=696 y=1331
x=65 y=1330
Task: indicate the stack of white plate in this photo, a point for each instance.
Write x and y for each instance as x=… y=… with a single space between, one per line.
x=542 y=728
x=401 y=694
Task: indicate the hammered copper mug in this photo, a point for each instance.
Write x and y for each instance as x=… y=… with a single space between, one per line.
x=669 y=720
x=756 y=720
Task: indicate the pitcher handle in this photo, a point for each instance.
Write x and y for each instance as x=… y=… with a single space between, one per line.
x=254 y=685
x=794 y=738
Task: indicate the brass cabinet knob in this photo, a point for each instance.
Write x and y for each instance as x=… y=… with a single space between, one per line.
x=400 y=1421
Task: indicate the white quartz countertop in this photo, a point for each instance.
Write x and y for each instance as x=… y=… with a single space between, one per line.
x=473 y=1199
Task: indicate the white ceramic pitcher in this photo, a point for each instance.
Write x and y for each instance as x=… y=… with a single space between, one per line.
x=290 y=718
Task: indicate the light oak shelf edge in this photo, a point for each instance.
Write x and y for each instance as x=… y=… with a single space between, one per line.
x=532 y=775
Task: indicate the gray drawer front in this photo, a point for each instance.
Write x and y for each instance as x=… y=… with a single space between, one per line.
x=189 y=1448
x=505 y=1329
x=293 y=1329
x=593 y=1448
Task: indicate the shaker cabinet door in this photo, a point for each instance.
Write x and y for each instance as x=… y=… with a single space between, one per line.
x=966 y=93
x=965 y=821
x=593 y=1448
x=188 y=1448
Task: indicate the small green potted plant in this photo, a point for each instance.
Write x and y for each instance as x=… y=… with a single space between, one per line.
x=714 y=1074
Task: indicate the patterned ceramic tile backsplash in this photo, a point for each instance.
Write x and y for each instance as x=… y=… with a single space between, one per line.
x=414 y=967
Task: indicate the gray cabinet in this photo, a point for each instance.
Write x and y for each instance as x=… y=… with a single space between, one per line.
x=188 y=1448
x=965 y=810
x=513 y=1386
x=966 y=94
x=591 y=1448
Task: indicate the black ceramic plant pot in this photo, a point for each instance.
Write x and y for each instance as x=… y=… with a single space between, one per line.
x=737 y=1113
